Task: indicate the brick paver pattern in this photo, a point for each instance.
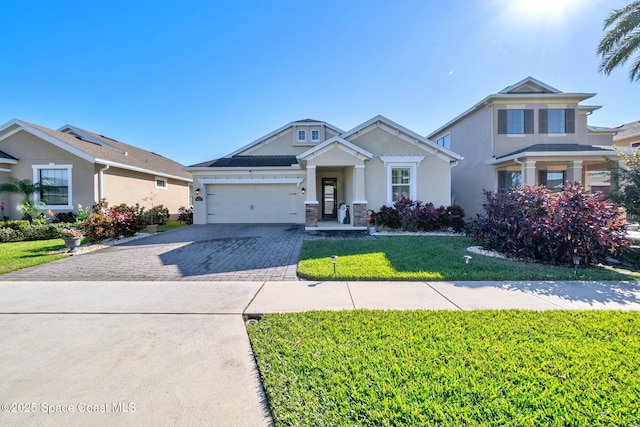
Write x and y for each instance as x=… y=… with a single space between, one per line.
x=194 y=253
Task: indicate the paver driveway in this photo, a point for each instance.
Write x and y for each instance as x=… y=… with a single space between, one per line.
x=195 y=253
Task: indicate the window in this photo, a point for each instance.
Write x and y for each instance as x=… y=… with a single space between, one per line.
x=161 y=183
x=553 y=180
x=55 y=180
x=302 y=135
x=445 y=141
x=509 y=179
x=400 y=183
x=515 y=121
x=315 y=135
x=557 y=120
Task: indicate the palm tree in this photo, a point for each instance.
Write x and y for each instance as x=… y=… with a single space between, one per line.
x=27 y=189
x=622 y=40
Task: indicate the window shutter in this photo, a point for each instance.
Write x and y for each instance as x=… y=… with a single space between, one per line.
x=502 y=121
x=528 y=121
x=570 y=120
x=542 y=121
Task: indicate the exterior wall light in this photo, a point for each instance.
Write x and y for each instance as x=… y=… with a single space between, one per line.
x=197 y=191
x=303 y=191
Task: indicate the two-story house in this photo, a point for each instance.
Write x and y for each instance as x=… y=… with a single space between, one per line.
x=527 y=134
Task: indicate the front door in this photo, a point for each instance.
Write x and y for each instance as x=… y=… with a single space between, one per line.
x=329 y=199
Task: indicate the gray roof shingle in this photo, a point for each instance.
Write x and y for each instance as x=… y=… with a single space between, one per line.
x=250 y=161
x=555 y=148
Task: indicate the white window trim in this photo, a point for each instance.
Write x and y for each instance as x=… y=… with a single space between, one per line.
x=318 y=138
x=36 y=178
x=412 y=183
x=298 y=135
x=161 y=178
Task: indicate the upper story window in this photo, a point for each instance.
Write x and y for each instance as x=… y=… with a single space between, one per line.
x=161 y=183
x=302 y=135
x=315 y=135
x=55 y=180
x=557 y=120
x=515 y=121
x=445 y=141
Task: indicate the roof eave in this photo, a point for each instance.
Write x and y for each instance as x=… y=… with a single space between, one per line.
x=549 y=154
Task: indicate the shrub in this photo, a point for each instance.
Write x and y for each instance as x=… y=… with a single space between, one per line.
x=410 y=215
x=14 y=224
x=39 y=231
x=8 y=234
x=531 y=222
x=64 y=217
x=185 y=215
x=157 y=215
x=113 y=222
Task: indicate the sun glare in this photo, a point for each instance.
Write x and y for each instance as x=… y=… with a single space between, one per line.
x=544 y=8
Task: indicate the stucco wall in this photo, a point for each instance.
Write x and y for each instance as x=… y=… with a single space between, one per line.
x=287 y=142
x=30 y=151
x=125 y=186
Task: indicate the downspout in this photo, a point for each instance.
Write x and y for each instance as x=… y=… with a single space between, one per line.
x=100 y=183
x=521 y=169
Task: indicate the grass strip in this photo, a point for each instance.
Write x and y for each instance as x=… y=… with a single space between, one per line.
x=520 y=368
x=429 y=258
x=19 y=255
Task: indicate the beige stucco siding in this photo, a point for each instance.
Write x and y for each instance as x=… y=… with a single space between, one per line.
x=125 y=186
x=286 y=143
x=31 y=151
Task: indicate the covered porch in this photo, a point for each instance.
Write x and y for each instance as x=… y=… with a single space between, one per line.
x=335 y=186
x=585 y=164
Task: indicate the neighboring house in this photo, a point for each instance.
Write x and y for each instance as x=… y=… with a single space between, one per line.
x=527 y=134
x=309 y=172
x=81 y=167
x=628 y=136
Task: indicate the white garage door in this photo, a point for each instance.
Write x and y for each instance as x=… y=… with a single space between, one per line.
x=258 y=203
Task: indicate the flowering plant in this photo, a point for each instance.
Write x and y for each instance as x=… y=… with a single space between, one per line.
x=70 y=232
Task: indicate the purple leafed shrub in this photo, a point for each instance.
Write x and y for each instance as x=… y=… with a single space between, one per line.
x=532 y=222
x=410 y=215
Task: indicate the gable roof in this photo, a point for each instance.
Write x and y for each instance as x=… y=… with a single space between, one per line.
x=336 y=140
x=249 y=161
x=304 y=122
x=96 y=148
x=418 y=139
x=628 y=130
x=529 y=85
x=528 y=89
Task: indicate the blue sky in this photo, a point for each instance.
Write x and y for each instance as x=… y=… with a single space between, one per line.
x=195 y=80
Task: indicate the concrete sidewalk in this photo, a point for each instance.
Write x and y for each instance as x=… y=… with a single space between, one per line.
x=177 y=353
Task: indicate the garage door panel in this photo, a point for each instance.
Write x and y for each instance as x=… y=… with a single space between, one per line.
x=262 y=203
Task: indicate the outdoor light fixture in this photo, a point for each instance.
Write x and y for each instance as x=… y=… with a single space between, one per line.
x=467 y=258
x=334 y=260
x=197 y=191
x=576 y=262
x=303 y=191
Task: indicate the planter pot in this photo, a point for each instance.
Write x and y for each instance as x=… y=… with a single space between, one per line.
x=72 y=243
x=152 y=228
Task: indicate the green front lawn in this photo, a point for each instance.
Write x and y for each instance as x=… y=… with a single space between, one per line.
x=428 y=258
x=520 y=368
x=19 y=255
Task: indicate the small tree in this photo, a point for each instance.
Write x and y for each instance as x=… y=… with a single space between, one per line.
x=625 y=183
x=27 y=189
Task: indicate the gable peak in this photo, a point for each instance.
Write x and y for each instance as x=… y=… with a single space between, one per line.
x=529 y=85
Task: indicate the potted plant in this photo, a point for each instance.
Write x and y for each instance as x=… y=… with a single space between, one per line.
x=72 y=238
x=150 y=216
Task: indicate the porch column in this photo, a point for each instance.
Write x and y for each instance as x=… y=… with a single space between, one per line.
x=311 y=203
x=359 y=202
x=574 y=171
x=529 y=172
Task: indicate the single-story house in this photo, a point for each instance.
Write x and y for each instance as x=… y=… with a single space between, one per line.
x=311 y=172
x=81 y=167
